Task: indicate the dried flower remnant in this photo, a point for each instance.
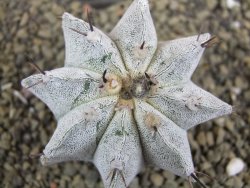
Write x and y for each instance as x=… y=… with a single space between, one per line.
x=125 y=100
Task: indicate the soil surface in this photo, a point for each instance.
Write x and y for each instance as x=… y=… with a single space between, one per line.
x=33 y=28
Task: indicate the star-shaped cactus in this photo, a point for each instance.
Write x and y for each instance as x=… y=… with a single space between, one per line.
x=123 y=100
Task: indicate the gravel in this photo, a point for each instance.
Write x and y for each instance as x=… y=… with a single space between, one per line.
x=33 y=28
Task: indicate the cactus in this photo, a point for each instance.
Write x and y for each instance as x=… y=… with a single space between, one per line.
x=124 y=100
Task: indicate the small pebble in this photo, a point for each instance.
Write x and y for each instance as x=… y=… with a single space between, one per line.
x=220 y=136
x=235 y=166
x=232 y=3
x=210 y=138
x=34 y=27
x=20 y=96
x=201 y=138
x=156 y=179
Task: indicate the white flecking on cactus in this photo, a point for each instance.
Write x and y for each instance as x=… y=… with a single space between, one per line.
x=124 y=100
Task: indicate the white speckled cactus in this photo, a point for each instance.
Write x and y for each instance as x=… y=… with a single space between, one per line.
x=124 y=100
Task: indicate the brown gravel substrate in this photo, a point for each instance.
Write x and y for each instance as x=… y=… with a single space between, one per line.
x=33 y=27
